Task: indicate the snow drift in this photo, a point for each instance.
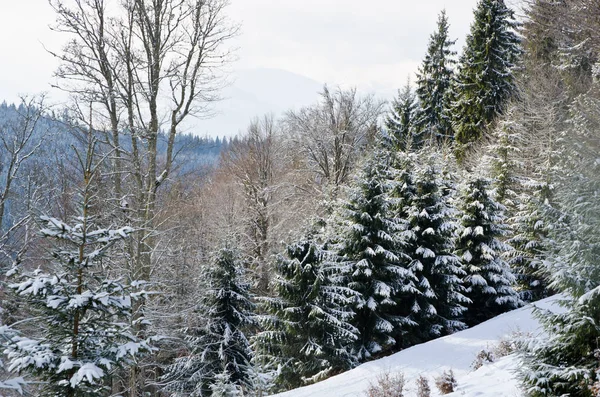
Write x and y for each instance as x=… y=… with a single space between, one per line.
x=456 y=352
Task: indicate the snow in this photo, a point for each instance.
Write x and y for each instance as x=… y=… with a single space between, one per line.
x=456 y=352
x=88 y=371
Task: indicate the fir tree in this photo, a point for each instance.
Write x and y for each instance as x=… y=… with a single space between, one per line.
x=489 y=279
x=369 y=246
x=432 y=300
x=219 y=349
x=567 y=362
x=400 y=123
x=529 y=228
x=224 y=387
x=434 y=80
x=504 y=155
x=8 y=382
x=524 y=200
x=485 y=73
x=83 y=318
x=307 y=331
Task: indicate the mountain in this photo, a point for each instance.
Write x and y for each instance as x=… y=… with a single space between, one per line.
x=456 y=352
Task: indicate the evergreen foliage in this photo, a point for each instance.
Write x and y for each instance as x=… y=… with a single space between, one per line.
x=369 y=247
x=84 y=318
x=504 y=161
x=485 y=72
x=434 y=82
x=219 y=351
x=574 y=235
x=8 y=382
x=307 y=332
x=400 y=123
x=529 y=228
x=432 y=297
x=565 y=363
x=489 y=279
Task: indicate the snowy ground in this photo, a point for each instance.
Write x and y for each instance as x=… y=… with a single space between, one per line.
x=456 y=352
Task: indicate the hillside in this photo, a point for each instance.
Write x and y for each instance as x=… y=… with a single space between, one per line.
x=456 y=351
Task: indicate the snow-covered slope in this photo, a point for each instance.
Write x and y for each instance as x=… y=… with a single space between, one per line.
x=456 y=352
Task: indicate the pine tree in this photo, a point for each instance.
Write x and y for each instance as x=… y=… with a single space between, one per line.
x=83 y=318
x=433 y=299
x=307 y=331
x=489 y=280
x=524 y=200
x=529 y=232
x=565 y=363
x=434 y=80
x=485 y=72
x=9 y=382
x=218 y=348
x=504 y=160
x=224 y=387
x=369 y=246
x=400 y=123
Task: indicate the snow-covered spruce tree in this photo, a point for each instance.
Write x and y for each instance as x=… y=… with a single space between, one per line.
x=400 y=123
x=306 y=328
x=529 y=231
x=369 y=242
x=432 y=298
x=567 y=362
x=504 y=160
x=489 y=279
x=224 y=387
x=82 y=333
x=8 y=382
x=434 y=80
x=218 y=350
x=484 y=80
x=523 y=199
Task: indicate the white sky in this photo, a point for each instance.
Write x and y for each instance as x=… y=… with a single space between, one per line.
x=373 y=44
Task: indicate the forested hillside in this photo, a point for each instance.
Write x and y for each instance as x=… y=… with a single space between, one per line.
x=140 y=261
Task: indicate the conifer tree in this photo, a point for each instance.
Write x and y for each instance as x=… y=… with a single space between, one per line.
x=567 y=362
x=400 y=123
x=369 y=246
x=485 y=72
x=504 y=160
x=9 y=382
x=529 y=235
x=574 y=236
x=434 y=80
x=489 y=280
x=219 y=350
x=433 y=299
x=307 y=331
x=84 y=317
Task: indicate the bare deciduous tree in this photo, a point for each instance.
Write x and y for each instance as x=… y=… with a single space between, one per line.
x=255 y=164
x=147 y=67
x=332 y=133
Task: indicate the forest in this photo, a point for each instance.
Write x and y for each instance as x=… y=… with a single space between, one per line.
x=138 y=260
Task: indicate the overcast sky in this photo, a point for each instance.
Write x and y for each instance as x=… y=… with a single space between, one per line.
x=356 y=42
x=371 y=43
